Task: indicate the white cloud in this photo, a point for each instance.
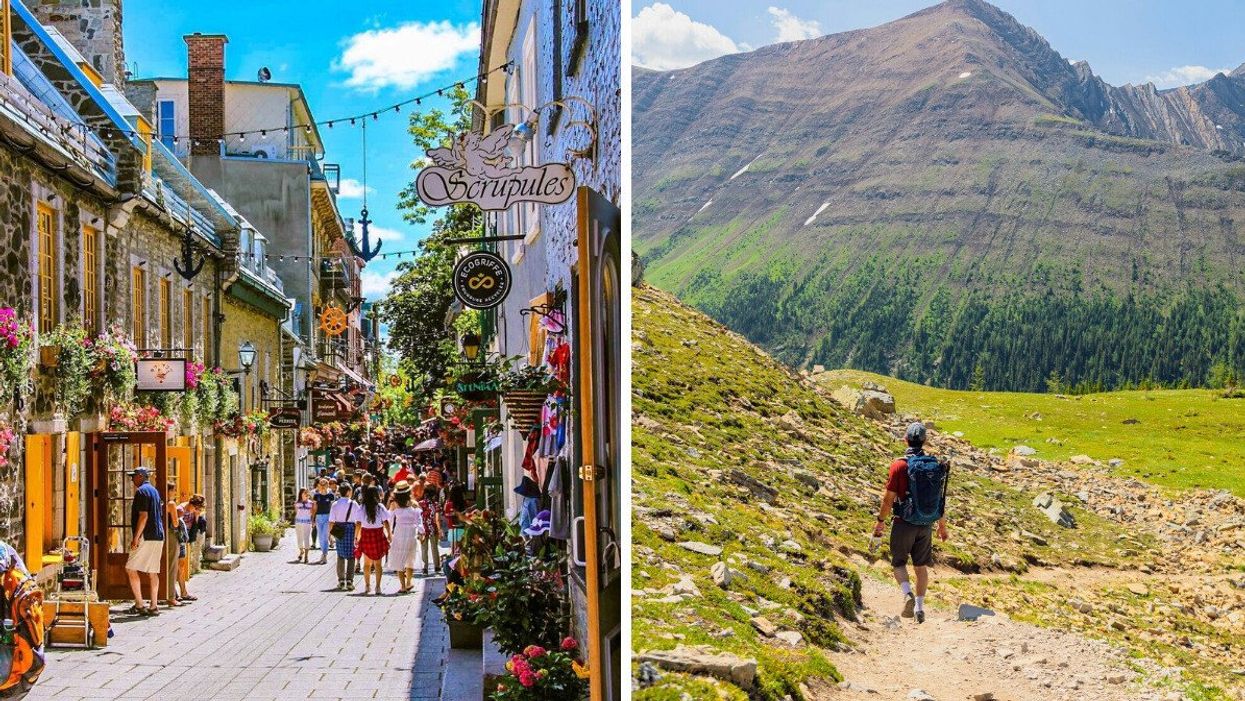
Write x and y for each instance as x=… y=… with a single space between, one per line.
x=376 y=232
x=792 y=28
x=406 y=55
x=664 y=39
x=376 y=285
x=1184 y=75
x=353 y=189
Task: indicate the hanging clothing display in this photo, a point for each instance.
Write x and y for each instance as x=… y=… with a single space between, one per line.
x=559 y=492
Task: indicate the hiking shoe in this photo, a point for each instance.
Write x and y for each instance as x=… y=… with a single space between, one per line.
x=920 y=616
x=909 y=605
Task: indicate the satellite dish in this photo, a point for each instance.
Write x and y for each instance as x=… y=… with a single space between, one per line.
x=265 y=75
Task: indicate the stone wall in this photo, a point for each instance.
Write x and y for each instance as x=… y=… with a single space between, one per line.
x=93 y=27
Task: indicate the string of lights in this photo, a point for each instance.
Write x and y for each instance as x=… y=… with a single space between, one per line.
x=282 y=257
x=351 y=120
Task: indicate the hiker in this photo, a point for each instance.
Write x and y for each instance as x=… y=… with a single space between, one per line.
x=372 y=537
x=917 y=489
x=147 y=544
x=324 y=502
x=408 y=533
x=343 y=516
x=304 y=507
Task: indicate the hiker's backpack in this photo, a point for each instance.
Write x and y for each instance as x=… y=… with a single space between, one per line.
x=927 y=490
x=21 y=661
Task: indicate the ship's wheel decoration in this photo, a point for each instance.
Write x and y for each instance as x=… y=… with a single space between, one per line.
x=333 y=321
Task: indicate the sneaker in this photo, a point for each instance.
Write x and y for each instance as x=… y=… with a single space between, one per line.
x=909 y=605
x=920 y=616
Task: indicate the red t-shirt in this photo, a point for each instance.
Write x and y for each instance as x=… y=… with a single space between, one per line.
x=897 y=481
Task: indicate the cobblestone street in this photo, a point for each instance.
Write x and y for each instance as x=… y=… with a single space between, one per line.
x=273 y=629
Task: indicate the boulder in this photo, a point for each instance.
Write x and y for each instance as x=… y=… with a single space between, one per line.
x=968 y=612
x=1024 y=450
x=790 y=637
x=764 y=626
x=701 y=548
x=1054 y=510
x=721 y=574
x=1082 y=460
x=740 y=671
x=870 y=403
x=758 y=489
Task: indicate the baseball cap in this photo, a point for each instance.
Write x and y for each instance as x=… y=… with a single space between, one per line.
x=540 y=525
x=140 y=470
x=915 y=432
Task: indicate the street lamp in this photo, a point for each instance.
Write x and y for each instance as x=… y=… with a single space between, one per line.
x=471 y=346
x=246 y=356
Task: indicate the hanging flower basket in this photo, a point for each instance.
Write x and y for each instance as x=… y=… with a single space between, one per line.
x=523 y=406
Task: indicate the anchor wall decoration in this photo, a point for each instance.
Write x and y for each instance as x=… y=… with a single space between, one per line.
x=185 y=265
x=365 y=245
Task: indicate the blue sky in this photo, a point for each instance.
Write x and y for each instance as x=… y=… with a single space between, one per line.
x=1125 y=41
x=349 y=57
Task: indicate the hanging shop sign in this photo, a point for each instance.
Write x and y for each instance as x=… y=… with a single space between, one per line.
x=476 y=387
x=161 y=374
x=479 y=170
x=285 y=417
x=481 y=280
x=326 y=410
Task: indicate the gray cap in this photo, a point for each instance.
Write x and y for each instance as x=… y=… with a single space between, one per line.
x=915 y=433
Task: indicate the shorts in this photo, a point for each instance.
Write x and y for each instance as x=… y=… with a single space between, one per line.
x=907 y=539
x=146 y=557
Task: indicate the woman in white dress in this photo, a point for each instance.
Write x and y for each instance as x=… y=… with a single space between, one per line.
x=408 y=528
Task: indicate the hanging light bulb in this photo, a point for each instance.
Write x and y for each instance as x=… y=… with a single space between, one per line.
x=524 y=132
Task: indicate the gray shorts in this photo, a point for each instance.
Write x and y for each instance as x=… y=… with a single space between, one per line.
x=907 y=539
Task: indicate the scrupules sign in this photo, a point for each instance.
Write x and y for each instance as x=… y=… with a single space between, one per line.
x=477 y=170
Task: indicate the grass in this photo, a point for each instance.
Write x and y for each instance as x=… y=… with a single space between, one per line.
x=1172 y=438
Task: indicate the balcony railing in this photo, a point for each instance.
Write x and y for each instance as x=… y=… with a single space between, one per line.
x=73 y=138
x=176 y=206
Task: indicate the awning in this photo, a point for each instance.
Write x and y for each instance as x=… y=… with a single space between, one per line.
x=430 y=444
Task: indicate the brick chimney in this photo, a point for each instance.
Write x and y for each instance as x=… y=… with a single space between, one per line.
x=206 y=91
x=94 y=29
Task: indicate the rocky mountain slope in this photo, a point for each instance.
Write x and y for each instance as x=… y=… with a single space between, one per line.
x=753 y=495
x=898 y=198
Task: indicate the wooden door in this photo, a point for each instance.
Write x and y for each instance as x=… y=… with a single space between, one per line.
x=597 y=288
x=112 y=493
x=38 y=503
x=181 y=471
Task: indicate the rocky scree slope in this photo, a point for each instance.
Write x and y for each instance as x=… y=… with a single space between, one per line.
x=753 y=493
x=895 y=198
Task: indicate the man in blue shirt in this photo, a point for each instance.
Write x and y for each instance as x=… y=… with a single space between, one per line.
x=147 y=545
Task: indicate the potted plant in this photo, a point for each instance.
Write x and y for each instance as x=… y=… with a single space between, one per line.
x=524 y=390
x=261 y=528
x=112 y=368
x=525 y=602
x=464 y=606
x=538 y=674
x=70 y=368
x=16 y=356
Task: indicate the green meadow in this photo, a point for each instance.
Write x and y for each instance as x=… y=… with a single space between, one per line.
x=1172 y=438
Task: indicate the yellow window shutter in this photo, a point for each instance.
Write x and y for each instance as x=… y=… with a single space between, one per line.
x=37 y=454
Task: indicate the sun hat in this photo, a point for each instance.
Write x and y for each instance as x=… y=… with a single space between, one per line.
x=540 y=525
x=527 y=488
x=402 y=487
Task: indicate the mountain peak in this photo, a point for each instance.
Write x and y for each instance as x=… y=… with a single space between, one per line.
x=1239 y=72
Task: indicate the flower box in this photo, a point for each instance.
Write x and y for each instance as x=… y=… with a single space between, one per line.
x=465 y=636
x=49 y=356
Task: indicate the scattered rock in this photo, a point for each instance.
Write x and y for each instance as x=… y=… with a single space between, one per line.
x=790 y=546
x=737 y=670
x=856 y=686
x=764 y=626
x=790 y=637
x=721 y=574
x=1139 y=589
x=985 y=696
x=870 y=403
x=920 y=695
x=701 y=548
x=1082 y=460
x=1024 y=450
x=1116 y=678
x=758 y=489
x=647 y=674
x=1115 y=462
x=685 y=586
x=1054 y=510
x=968 y=612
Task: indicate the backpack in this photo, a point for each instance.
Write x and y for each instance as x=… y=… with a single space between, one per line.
x=22 y=662
x=927 y=490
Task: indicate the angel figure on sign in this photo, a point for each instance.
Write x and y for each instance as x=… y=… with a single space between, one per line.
x=481 y=156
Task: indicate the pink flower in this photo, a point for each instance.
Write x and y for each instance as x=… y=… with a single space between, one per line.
x=569 y=643
x=527 y=679
x=533 y=651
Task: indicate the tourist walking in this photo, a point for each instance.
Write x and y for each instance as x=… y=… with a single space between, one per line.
x=408 y=533
x=147 y=545
x=191 y=515
x=430 y=540
x=373 y=537
x=324 y=503
x=304 y=509
x=916 y=486
x=343 y=516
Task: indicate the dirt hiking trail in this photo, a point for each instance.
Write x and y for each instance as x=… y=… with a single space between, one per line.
x=993 y=658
